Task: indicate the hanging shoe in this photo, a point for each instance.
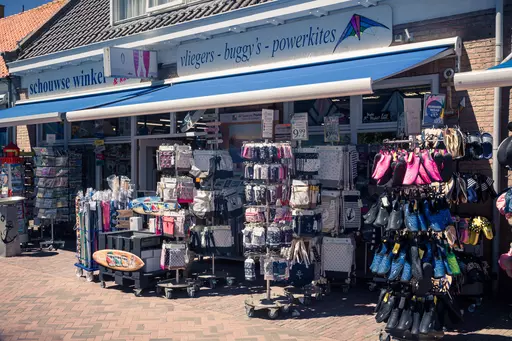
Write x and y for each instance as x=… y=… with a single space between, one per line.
x=439 y=269
x=406 y=272
x=423 y=225
x=416 y=263
x=413 y=167
x=395 y=220
x=425 y=284
x=406 y=318
x=393 y=319
x=382 y=217
x=427 y=319
x=430 y=166
x=382 y=166
x=382 y=293
x=371 y=215
x=377 y=258
x=399 y=173
x=386 y=308
x=411 y=217
x=397 y=265
x=376 y=161
x=428 y=255
x=385 y=264
x=416 y=318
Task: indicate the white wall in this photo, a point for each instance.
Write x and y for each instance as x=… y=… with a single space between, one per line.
x=406 y=11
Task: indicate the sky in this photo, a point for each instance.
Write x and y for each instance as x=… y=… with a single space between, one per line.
x=15 y=6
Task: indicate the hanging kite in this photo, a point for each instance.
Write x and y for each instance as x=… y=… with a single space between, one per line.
x=357 y=25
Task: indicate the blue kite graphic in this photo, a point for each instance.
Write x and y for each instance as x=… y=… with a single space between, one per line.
x=357 y=25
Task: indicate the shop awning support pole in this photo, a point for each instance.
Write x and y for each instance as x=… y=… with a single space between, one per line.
x=496 y=169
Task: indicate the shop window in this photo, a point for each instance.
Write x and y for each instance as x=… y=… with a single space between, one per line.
x=153 y=124
x=374 y=138
x=318 y=140
x=4 y=137
x=53 y=128
x=117 y=161
x=317 y=109
x=101 y=128
x=386 y=105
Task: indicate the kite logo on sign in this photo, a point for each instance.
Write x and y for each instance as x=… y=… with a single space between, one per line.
x=357 y=25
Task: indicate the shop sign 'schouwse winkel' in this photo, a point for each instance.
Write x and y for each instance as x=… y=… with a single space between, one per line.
x=329 y=35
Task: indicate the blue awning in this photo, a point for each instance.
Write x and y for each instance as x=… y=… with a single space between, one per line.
x=327 y=80
x=49 y=111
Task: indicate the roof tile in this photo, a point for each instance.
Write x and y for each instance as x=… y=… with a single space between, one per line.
x=88 y=21
x=16 y=27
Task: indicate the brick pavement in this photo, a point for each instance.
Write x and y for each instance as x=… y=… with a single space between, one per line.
x=41 y=299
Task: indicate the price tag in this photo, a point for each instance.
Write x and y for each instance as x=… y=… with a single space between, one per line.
x=300 y=126
x=331 y=129
x=396 y=248
x=267 y=121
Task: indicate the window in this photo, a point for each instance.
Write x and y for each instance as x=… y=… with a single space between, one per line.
x=386 y=105
x=154 y=5
x=153 y=124
x=101 y=128
x=127 y=9
x=319 y=108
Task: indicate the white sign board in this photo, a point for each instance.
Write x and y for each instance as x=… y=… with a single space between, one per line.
x=357 y=29
x=300 y=126
x=129 y=63
x=412 y=109
x=70 y=79
x=267 y=123
x=331 y=129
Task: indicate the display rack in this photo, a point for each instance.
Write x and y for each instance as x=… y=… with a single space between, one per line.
x=176 y=190
x=52 y=198
x=272 y=303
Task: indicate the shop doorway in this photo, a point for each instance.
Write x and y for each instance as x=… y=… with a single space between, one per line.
x=147 y=170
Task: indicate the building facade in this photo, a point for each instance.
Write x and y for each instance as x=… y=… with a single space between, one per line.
x=196 y=41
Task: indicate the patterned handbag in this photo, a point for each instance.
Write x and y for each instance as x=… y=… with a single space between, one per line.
x=338 y=254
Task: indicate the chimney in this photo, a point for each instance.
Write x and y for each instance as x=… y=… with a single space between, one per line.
x=2 y=13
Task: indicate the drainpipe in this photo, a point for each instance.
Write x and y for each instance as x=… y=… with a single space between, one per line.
x=496 y=169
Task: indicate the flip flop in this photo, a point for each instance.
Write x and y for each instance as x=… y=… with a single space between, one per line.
x=462 y=189
x=487 y=146
x=476 y=150
x=451 y=235
x=474 y=231
x=487 y=228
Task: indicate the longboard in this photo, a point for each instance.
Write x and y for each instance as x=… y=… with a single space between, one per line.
x=118 y=260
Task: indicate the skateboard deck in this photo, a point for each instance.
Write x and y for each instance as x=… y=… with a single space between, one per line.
x=118 y=260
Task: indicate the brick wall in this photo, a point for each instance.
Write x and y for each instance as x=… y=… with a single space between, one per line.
x=477 y=31
x=25 y=135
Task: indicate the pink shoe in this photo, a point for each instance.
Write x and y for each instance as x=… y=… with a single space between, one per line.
x=413 y=167
x=423 y=178
x=382 y=166
x=430 y=166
